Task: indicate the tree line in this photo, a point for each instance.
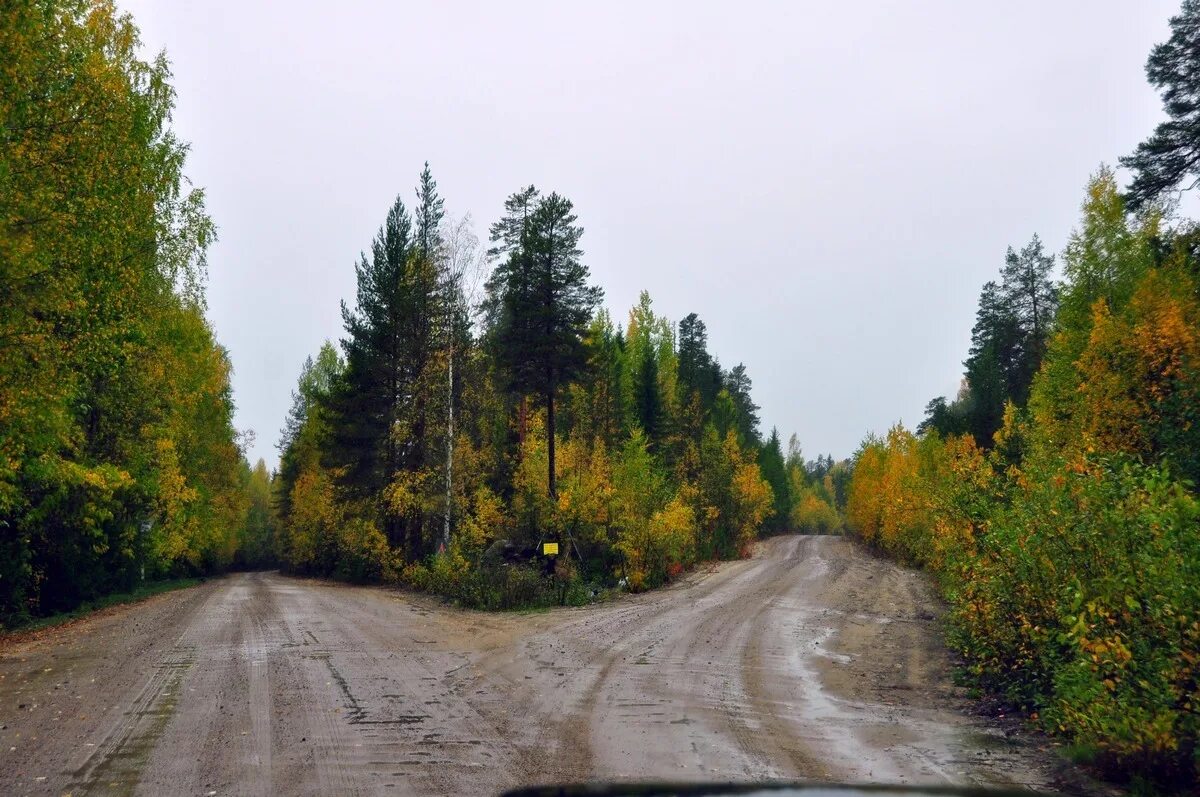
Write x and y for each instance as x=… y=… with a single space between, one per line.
x=1055 y=497
x=450 y=435
x=460 y=421
x=119 y=461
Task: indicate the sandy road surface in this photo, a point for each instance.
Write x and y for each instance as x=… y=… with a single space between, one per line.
x=811 y=660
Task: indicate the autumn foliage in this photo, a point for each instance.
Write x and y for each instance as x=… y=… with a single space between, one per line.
x=631 y=508
x=119 y=462
x=1070 y=550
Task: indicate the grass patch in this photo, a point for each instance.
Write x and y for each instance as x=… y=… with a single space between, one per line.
x=1078 y=753
x=147 y=590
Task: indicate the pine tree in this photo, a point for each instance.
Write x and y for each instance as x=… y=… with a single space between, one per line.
x=737 y=383
x=508 y=237
x=1032 y=300
x=542 y=302
x=944 y=418
x=992 y=364
x=1009 y=341
x=1172 y=153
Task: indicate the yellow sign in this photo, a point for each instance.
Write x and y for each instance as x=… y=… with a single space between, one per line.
x=549 y=548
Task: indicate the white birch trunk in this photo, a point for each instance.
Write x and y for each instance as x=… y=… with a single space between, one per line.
x=449 y=448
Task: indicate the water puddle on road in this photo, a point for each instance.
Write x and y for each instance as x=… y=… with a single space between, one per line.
x=855 y=739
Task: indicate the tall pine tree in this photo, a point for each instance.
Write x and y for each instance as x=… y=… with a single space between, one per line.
x=992 y=364
x=737 y=383
x=1172 y=153
x=542 y=301
x=1009 y=339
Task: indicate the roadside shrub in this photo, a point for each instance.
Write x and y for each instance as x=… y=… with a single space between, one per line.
x=1083 y=606
x=1075 y=594
x=921 y=498
x=363 y=553
x=450 y=575
x=659 y=548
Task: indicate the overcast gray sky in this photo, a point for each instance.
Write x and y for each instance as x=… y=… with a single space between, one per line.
x=826 y=184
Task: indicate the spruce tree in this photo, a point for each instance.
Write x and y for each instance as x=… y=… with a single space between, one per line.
x=1031 y=300
x=379 y=406
x=648 y=401
x=698 y=371
x=428 y=217
x=774 y=470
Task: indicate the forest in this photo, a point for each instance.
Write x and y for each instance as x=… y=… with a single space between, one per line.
x=459 y=422
x=483 y=402
x=449 y=437
x=1055 y=497
x=119 y=461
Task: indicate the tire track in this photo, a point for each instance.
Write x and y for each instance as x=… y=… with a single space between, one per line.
x=810 y=659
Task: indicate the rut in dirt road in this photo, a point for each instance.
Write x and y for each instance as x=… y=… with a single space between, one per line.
x=811 y=660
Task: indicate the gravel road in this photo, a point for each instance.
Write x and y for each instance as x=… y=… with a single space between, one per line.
x=813 y=659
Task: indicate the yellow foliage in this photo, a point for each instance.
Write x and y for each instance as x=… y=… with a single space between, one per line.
x=313 y=520
x=911 y=495
x=812 y=514
x=863 y=496
x=412 y=493
x=660 y=548
x=752 y=499
x=1134 y=363
x=585 y=491
x=484 y=523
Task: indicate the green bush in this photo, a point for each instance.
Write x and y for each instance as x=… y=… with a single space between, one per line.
x=496 y=587
x=1082 y=605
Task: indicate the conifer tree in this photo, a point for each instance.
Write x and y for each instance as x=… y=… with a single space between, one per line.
x=542 y=300
x=379 y=405
x=771 y=463
x=647 y=401
x=1008 y=342
x=737 y=383
x=1031 y=300
x=305 y=428
x=1172 y=153
x=698 y=371
x=992 y=364
x=428 y=216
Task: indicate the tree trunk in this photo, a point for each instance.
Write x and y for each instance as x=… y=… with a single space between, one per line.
x=449 y=448
x=521 y=412
x=550 y=439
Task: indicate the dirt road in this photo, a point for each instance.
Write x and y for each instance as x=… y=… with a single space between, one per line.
x=811 y=660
